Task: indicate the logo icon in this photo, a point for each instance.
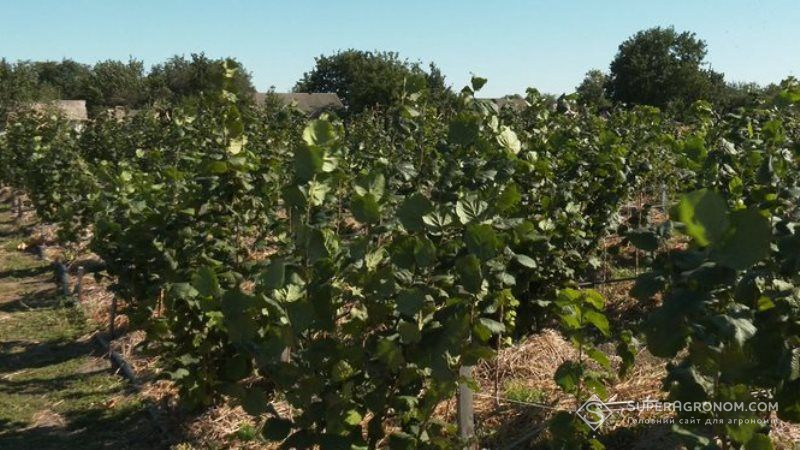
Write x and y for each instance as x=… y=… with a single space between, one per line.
x=594 y=412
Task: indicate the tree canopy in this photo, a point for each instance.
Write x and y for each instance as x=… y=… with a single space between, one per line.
x=592 y=90
x=180 y=77
x=661 y=67
x=363 y=78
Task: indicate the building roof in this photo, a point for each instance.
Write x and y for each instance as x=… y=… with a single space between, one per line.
x=71 y=109
x=311 y=104
x=514 y=102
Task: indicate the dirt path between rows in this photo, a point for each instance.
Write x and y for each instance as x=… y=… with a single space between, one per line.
x=57 y=391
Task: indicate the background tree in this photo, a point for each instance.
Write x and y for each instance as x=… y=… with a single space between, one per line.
x=115 y=83
x=592 y=90
x=363 y=79
x=18 y=84
x=661 y=67
x=180 y=78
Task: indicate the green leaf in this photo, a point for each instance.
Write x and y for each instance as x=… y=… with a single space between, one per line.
x=478 y=83
x=705 y=215
x=737 y=329
x=274 y=274
x=665 y=329
x=525 y=261
x=599 y=321
x=600 y=357
x=748 y=242
x=764 y=303
x=217 y=167
x=470 y=209
x=276 y=429
x=509 y=140
x=366 y=209
x=788 y=397
x=409 y=332
x=568 y=376
x=236 y=367
x=301 y=315
x=469 y=270
x=412 y=210
x=237 y=312
x=389 y=353
x=183 y=290
x=205 y=281
x=508 y=199
x=316 y=192
x=593 y=298
x=481 y=241
x=646 y=286
x=352 y=417
x=492 y=325
x=373 y=183
x=410 y=301
x=320 y=133
x=341 y=371
x=308 y=162
x=254 y=401
x=643 y=239
x=699 y=440
x=399 y=440
x=464 y=129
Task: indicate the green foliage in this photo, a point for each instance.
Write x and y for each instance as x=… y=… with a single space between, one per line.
x=661 y=67
x=352 y=268
x=364 y=79
x=593 y=90
x=180 y=78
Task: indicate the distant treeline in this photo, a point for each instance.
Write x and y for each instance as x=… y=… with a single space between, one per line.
x=659 y=67
x=110 y=83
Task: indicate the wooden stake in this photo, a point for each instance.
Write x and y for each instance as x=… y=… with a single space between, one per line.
x=466 y=409
x=78 y=292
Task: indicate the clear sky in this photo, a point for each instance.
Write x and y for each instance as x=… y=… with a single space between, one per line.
x=515 y=44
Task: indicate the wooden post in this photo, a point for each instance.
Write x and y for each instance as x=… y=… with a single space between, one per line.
x=62 y=278
x=113 y=313
x=466 y=409
x=19 y=207
x=664 y=199
x=78 y=292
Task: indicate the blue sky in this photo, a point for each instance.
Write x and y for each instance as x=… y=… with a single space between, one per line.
x=515 y=44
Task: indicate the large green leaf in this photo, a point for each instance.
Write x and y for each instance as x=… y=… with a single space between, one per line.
x=481 y=240
x=747 y=241
x=509 y=140
x=373 y=183
x=410 y=301
x=237 y=309
x=568 y=376
x=366 y=208
x=308 y=162
x=469 y=270
x=464 y=129
x=205 y=281
x=470 y=209
x=320 y=133
x=705 y=215
x=274 y=274
x=412 y=210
